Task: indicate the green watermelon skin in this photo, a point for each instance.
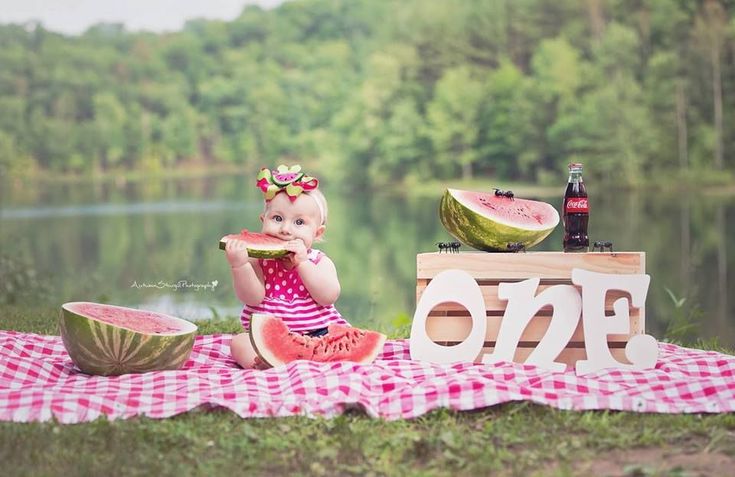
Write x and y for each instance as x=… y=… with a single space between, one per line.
x=483 y=233
x=103 y=349
x=255 y=248
x=257 y=253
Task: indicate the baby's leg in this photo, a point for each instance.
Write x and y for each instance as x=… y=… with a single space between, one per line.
x=242 y=350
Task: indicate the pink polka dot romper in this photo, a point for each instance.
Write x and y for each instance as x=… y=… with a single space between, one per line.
x=287 y=298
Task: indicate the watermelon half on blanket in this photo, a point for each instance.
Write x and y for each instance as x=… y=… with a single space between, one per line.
x=111 y=340
x=259 y=245
x=276 y=345
x=490 y=222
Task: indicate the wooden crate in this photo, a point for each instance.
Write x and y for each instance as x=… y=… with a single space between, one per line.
x=450 y=323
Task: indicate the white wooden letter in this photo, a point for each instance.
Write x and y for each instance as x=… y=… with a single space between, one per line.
x=641 y=350
x=455 y=286
x=522 y=307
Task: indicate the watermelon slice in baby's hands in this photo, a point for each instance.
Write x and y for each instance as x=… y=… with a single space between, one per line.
x=259 y=245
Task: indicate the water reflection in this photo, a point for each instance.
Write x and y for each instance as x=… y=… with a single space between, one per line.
x=95 y=241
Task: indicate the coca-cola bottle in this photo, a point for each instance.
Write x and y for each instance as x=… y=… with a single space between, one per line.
x=576 y=212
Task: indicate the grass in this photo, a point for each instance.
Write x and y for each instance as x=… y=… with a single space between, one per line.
x=510 y=439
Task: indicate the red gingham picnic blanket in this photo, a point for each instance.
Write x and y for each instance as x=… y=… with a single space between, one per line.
x=39 y=382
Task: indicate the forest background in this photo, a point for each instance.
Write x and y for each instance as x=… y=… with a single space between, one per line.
x=384 y=91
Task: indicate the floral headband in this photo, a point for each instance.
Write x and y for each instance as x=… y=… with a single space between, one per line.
x=287 y=179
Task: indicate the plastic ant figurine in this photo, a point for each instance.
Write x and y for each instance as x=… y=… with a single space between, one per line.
x=449 y=247
x=602 y=245
x=504 y=193
x=516 y=247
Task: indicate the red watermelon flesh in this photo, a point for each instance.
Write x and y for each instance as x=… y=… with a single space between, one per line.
x=276 y=345
x=259 y=245
x=142 y=321
x=360 y=346
x=337 y=329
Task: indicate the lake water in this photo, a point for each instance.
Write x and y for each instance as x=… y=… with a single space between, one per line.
x=154 y=244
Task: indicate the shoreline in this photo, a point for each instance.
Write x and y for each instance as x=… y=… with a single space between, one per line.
x=708 y=182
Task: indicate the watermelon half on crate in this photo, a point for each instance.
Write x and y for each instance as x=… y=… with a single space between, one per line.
x=258 y=245
x=275 y=344
x=491 y=222
x=110 y=340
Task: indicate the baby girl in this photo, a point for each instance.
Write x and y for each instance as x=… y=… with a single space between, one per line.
x=300 y=288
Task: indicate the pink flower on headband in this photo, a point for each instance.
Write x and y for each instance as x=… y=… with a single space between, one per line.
x=288 y=179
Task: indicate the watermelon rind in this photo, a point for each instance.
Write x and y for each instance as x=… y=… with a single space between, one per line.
x=485 y=233
x=104 y=349
x=256 y=251
x=258 y=323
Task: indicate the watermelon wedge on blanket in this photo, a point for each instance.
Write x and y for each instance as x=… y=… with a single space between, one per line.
x=276 y=345
x=259 y=245
x=111 y=340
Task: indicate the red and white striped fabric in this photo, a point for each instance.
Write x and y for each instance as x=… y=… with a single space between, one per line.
x=286 y=297
x=38 y=382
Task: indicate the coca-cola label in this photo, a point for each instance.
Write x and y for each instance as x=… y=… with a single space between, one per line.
x=577 y=205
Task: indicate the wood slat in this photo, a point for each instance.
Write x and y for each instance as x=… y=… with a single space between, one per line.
x=568 y=356
x=457 y=328
x=533 y=344
x=492 y=302
x=550 y=265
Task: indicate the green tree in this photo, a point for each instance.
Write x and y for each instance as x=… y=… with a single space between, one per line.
x=504 y=121
x=12 y=159
x=367 y=123
x=710 y=30
x=552 y=92
x=179 y=134
x=610 y=128
x=109 y=121
x=452 y=120
x=401 y=147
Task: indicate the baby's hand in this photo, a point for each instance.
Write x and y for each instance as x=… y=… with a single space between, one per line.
x=298 y=249
x=236 y=252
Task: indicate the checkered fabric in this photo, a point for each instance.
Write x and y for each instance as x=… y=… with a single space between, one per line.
x=39 y=382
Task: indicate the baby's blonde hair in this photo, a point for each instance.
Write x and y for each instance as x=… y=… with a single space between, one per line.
x=320 y=200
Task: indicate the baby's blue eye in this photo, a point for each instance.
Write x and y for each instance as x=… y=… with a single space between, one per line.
x=299 y=221
x=278 y=218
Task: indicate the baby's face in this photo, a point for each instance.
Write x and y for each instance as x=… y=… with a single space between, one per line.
x=288 y=220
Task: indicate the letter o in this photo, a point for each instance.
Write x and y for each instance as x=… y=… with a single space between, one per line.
x=455 y=286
